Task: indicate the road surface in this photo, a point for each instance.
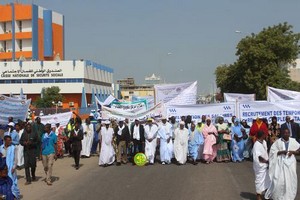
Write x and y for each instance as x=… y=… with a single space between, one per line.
x=159 y=182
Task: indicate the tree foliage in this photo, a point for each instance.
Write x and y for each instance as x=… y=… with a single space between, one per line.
x=48 y=96
x=263 y=60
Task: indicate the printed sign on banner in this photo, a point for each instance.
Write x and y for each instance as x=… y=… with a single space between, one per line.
x=176 y=94
x=149 y=99
x=233 y=97
x=156 y=111
x=226 y=110
x=13 y=107
x=62 y=118
x=132 y=107
x=250 y=110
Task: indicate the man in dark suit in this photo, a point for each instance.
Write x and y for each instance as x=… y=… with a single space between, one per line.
x=137 y=137
x=291 y=126
x=123 y=138
x=75 y=139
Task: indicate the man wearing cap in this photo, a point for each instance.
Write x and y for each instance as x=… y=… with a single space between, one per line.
x=195 y=140
x=12 y=133
x=88 y=135
x=122 y=138
x=39 y=129
x=166 y=144
x=151 y=131
x=181 y=136
x=137 y=137
x=107 y=152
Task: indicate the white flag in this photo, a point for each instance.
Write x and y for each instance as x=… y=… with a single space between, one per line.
x=232 y=97
x=275 y=94
x=176 y=94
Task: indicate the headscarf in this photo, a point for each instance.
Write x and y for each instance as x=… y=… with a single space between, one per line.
x=237 y=128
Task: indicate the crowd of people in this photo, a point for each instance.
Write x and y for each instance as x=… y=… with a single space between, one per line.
x=164 y=140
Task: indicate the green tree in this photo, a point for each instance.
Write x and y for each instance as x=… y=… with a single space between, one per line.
x=48 y=96
x=262 y=61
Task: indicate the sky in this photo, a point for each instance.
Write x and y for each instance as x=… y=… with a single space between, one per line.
x=180 y=40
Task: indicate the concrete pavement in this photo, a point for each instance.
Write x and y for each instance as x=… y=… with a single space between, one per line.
x=214 y=181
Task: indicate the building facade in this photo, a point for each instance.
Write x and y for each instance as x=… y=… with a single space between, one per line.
x=294 y=71
x=78 y=80
x=129 y=89
x=30 y=32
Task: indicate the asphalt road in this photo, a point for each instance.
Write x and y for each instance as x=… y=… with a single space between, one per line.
x=215 y=181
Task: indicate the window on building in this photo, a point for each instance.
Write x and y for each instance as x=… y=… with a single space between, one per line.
x=20 y=26
x=21 y=45
x=4 y=27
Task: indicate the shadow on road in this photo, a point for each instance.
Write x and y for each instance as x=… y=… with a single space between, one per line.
x=248 y=195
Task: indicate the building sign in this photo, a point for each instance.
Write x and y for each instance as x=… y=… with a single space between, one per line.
x=38 y=73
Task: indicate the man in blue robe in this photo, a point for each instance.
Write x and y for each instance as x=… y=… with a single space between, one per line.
x=9 y=153
x=195 y=140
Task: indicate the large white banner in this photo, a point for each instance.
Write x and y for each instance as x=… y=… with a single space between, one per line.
x=156 y=111
x=13 y=107
x=275 y=94
x=176 y=94
x=131 y=107
x=233 y=97
x=226 y=110
x=250 y=110
x=62 y=118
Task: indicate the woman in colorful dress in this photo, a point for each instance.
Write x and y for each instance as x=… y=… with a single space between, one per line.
x=61 y=138
x=223 y=154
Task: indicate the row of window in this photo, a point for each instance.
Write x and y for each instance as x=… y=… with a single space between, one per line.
x=67 y=80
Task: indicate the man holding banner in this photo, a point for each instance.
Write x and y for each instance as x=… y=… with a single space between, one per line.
x=123 y=138
x=137 y=137
x=151 y=131
x=166 y=143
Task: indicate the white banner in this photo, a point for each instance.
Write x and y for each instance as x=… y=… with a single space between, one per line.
x=156 y=111
x=149 y=99
x=131 y=107
x=226 y=110
x=275 y=94
x=233 y=97
x=62 y=118
x=250 y=110
x=13 y=107
x=176 y=94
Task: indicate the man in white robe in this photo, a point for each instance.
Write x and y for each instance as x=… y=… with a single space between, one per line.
x=151 y=131
x=181 y=136
x=166 y=143
x=88 y=134
x=260 y=165
x=282 y=168
x=107 y=152
x=20 y=148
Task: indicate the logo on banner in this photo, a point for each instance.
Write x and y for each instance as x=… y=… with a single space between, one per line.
x=246 y=106
x=2 y=98
x=172 y=110
x=227 y=107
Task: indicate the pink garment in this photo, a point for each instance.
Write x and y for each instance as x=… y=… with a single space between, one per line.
x=210 y=149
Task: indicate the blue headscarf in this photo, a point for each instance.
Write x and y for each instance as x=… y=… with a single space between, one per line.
x=237 y=128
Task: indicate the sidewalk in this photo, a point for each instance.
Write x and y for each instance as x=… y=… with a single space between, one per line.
x=64 y=175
